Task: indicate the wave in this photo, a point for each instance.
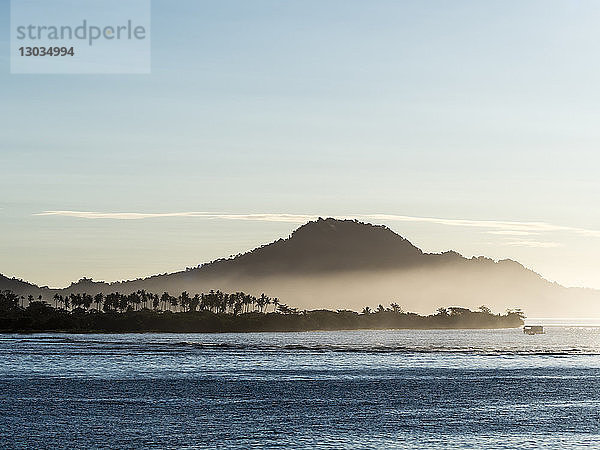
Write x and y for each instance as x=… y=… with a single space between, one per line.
x=47 y=345
x=327 y=348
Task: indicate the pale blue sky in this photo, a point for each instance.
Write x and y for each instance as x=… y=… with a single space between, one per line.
x=478 y=110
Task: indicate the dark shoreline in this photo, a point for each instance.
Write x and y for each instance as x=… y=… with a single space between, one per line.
x=147 y=321
x=28 y=332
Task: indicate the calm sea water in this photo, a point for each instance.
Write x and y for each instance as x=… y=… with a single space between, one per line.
x=365 y=389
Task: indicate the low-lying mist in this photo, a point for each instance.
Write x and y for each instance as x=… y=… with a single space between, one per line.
x=418 y=290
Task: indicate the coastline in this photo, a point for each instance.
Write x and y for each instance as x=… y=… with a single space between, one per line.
x=316 y=330
x=147 y=321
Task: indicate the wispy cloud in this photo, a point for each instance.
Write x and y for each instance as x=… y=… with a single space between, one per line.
x=492 y=225
x=292 y=218
x=532 y=244
x=110 y=215
x=507 y=228
x=512 y=233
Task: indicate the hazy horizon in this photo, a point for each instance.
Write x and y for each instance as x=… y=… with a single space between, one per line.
x=463 y=126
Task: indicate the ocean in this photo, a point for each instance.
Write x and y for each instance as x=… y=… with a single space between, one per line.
x=344 y=389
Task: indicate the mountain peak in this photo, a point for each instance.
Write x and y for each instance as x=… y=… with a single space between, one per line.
x=349 y=232
x=331 y=225
x=329 y=245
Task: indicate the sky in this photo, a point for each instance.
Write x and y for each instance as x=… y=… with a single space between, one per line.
x=461 y=125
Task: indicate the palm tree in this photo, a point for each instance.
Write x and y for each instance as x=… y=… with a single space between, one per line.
x=173 y=301
x=221 y=302
x=135 y=300
x=442 y=311
x=111 y=302
x=194 y=302
x=165 y=298
x=231 y=301
x=485 y=310
x=396 y=308
x=247 y=301
x=75 y=300
x=261 y=301
x=144 y=297
x=184 y=300
x=87 y=300
x=98 y=299
x=123 y=301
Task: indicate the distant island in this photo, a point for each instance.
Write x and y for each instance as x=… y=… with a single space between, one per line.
x=344 y=264
x=217 y=312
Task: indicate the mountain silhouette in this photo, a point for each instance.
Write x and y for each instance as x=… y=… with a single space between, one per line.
x=326 y=245
x=19 y=286
x=338 y=264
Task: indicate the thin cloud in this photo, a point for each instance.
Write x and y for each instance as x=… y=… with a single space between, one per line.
x=111 y=215
x=533 y=244
x=491 y=226
x=293 y=218
x=512 y=233
x=529 y=227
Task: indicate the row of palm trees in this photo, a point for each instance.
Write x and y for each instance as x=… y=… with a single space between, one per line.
x=215 y=301
x=394 y=307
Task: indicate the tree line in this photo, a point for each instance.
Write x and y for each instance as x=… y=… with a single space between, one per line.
x=217 y=311
x=214 y=301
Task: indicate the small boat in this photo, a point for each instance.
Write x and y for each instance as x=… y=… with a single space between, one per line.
x=533 y=329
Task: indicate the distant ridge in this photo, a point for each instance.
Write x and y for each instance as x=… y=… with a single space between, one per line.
x=19 y=286
x=331 y=263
